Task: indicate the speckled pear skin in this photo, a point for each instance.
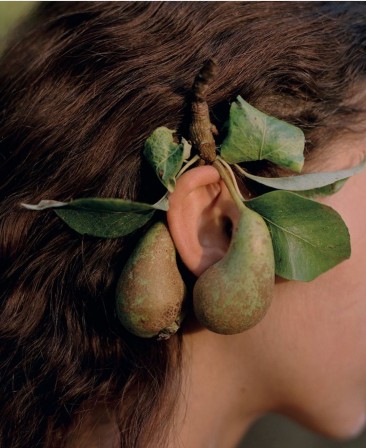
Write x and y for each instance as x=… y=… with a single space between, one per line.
x=150 y=291
x=234 y=294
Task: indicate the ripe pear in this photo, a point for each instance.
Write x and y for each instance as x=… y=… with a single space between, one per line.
x=150 y=290
x=234 y=294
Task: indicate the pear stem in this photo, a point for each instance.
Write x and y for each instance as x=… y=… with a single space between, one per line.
x=228 y=182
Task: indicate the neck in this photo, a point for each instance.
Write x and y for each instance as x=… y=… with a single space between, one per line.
x=222 y=395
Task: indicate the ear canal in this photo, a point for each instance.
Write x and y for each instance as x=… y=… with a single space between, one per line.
x=234 y=294
x=200 y=216
x=150 y=291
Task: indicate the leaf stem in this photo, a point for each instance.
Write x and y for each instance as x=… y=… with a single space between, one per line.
x=223 y=171
x=240 y=169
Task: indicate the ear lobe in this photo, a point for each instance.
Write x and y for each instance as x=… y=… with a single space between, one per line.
x=200 y=216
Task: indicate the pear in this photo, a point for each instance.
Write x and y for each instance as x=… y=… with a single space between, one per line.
x=150 y=290
x=234 y=294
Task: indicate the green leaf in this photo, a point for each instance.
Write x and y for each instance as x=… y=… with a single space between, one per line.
x=165 y=155
x=308 y=238
x=101 y=217
x=253 y=135
x=311 y=181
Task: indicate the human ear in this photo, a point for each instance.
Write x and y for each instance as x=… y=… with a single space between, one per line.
x=200 y=217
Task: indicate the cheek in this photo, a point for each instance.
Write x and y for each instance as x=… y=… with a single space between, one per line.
x=323 y=327
x=319 y=350
x=318 y=333
x=345 y=285
x=329 y=313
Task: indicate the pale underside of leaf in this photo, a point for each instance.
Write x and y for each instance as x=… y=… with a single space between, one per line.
x=162 y=204
x=321 y=192
x=308 y=238
x=43 y=204
x=303 y=182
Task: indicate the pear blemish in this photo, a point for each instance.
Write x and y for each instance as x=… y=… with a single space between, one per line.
x=235 y=293
x=145 y=306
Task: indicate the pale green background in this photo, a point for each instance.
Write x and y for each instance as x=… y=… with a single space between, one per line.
x=272 y=431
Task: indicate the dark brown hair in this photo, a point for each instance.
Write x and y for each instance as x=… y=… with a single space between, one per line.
x=82 y=85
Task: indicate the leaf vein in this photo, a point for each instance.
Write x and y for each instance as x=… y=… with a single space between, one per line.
x=291 y=233
x=263 y=138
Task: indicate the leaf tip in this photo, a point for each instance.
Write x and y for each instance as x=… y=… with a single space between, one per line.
x=43 y=204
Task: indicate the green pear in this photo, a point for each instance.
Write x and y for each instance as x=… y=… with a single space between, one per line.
x=150 y=290
x=234 y=294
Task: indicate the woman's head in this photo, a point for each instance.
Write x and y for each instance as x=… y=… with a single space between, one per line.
x=81 y=90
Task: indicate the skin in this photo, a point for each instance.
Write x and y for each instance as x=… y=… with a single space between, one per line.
x=306 y=358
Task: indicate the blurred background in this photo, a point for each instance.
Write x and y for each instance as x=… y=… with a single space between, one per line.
x=10 y=14
x=272 y=431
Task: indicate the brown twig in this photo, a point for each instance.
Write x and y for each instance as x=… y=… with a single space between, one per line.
x=201 y=129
